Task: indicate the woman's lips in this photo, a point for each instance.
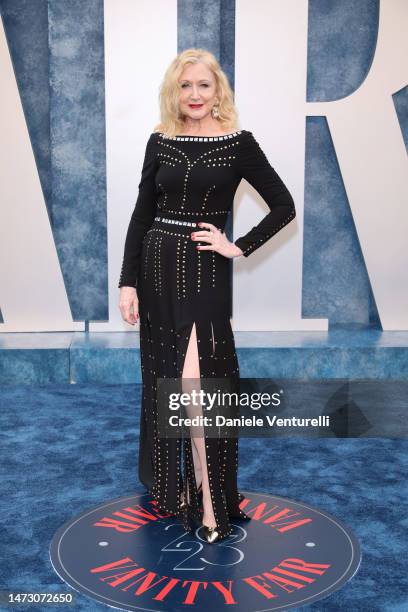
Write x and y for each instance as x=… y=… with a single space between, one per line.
x=195 y=105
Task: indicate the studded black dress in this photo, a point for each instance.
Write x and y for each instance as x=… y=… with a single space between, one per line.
x=187 y=179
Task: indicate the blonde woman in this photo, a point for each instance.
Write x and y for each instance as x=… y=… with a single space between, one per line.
x=175 y=278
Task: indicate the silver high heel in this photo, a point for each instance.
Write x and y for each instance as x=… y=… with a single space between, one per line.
x=211 y=534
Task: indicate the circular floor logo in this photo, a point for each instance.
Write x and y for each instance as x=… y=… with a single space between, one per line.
x=128 y=555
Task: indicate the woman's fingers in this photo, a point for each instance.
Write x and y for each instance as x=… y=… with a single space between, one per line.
x=208 y=230
x=212 y=235
x=136 y=309
x=216 y=240
x=204 y=237
x=129 y=305
x=208 y=233
x=207 y=226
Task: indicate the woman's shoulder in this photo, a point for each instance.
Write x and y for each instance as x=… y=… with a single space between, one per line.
x=152 y=139
x=247 y=133
x=248 y=140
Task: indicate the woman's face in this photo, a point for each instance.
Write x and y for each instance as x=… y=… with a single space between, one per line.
x=198 y=91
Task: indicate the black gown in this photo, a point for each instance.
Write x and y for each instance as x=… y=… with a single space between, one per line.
x=184 y=180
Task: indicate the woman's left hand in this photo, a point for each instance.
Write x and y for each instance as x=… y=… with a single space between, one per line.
x=217 y=240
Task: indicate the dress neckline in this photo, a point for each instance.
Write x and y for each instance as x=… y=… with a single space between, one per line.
x=201 y=138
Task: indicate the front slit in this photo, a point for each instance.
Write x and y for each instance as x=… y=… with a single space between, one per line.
x=216 y=449
x=188 y=476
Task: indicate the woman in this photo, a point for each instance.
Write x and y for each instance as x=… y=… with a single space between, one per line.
x=175 y=277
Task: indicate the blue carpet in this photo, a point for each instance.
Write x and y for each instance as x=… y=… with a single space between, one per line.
x=68 y=448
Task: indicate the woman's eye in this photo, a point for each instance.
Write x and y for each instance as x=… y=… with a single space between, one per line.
x=187 y=84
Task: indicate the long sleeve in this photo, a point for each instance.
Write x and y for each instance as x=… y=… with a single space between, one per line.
x=255 y=168
x=142 y=217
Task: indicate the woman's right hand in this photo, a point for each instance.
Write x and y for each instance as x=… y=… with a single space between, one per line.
x=129 y=305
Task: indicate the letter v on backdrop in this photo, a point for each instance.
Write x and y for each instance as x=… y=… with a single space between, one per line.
x=33 y=297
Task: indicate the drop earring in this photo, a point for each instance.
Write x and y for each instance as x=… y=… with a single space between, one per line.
x=215 y=111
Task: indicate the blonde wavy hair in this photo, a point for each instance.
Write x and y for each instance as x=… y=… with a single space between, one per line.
x=171 y=122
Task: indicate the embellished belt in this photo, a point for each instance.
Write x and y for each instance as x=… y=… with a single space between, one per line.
x=176 y=221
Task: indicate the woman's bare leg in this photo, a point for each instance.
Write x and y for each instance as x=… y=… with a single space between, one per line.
x=191 y=370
